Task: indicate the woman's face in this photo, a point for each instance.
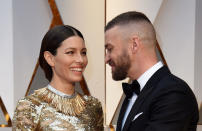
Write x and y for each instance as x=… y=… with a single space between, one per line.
x=70 y=60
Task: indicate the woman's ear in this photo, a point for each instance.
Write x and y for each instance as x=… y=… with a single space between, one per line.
x=49 y=58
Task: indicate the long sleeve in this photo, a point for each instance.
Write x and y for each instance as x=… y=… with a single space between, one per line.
x=100 y=118
x=26 y=115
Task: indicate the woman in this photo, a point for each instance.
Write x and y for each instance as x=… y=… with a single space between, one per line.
x=58 y=106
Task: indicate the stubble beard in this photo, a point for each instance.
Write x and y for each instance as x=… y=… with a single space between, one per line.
x=121 y=67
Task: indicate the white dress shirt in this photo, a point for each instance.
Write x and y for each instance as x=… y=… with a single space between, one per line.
x=142 y=80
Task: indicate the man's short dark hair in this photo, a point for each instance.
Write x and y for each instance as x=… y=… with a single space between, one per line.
x=126 y=18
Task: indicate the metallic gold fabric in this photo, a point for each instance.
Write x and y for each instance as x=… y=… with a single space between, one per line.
x=63 y=104
x=46 y=111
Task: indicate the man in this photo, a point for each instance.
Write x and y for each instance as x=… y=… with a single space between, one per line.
x=158 y=100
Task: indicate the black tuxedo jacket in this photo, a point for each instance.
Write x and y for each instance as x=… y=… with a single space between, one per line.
x=166 y=103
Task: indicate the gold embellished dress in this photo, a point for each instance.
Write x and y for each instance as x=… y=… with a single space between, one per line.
x=50 y=110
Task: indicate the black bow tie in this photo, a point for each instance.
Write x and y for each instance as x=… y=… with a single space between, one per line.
x=128 y=89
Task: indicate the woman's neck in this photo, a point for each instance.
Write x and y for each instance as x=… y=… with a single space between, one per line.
x=63 y=86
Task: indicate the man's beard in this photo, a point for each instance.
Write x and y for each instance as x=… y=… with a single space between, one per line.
x=121 y=67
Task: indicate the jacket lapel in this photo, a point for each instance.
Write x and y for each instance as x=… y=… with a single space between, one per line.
x=150 y=85
x=121 y=114
x=135 y=109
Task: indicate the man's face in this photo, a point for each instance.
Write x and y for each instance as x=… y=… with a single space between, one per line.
x=117 y=53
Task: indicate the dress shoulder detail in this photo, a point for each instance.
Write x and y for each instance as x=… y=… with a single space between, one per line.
x=69 y=106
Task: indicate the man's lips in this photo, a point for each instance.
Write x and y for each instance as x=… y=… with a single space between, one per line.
x=111 y=63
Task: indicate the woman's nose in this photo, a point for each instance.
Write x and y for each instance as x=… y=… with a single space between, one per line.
x=79 y=58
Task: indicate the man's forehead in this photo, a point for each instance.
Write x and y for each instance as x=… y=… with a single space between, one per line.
x=112 y=33
x=116 y=33
x=112 y=29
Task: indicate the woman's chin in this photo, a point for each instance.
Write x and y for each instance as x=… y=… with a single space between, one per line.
x=78 y=79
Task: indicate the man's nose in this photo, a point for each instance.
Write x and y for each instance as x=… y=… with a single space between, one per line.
x=107 y=58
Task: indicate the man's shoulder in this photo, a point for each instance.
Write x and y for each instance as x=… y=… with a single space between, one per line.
x=173 y=86
x=173 y=82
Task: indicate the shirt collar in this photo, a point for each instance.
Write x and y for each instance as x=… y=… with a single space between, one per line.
x=142 y=80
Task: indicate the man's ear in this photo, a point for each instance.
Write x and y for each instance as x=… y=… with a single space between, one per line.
x=135 y=43
x=49 y=58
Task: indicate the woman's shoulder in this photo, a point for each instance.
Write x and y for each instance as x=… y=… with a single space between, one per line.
x=27 y=112
x=92 y=102
x=94 y=108
x=32 y=98
x=91 y=99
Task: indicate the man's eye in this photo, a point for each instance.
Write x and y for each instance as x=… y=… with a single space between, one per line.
x=109 y=50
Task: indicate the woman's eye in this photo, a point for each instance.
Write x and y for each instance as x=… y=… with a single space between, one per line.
x=84 y=53
x=69 y=52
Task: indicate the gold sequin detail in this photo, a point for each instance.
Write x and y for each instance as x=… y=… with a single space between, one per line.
x=38 y=112
x=70 y=106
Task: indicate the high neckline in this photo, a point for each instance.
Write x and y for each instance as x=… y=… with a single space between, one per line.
x=71 y=105
x=57 y=92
